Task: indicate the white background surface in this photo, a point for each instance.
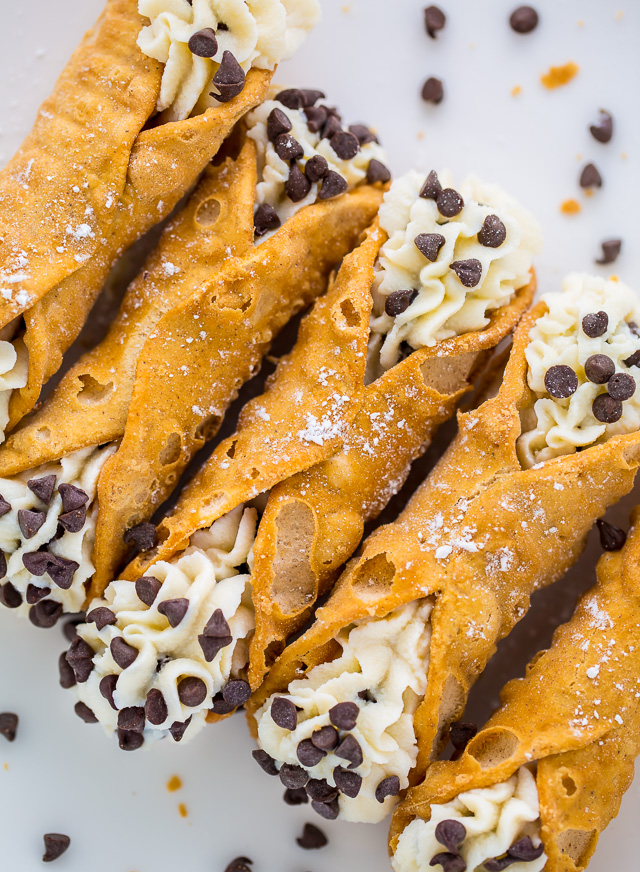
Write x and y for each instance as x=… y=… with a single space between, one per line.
x=371 y=57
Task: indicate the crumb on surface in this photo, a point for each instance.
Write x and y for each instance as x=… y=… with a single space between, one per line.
x=174 y=783
x=570 y=207
x=558 y=76
x=182 y=810
x=516 y=91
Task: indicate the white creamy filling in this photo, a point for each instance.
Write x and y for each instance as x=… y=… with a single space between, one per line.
x=258 y=33
x=206 y=575
x=273 y=172
x=386 y=657
x=442 y=305
x=80 y=469
x=559 y=426
x=494 y=819
x=14 y=370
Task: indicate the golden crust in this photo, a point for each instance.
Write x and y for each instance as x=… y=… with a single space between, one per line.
x=576 y=714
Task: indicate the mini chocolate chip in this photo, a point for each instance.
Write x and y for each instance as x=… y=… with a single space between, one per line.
x=155 y=707
x=345 y=145
x=237 y=692
x=434 y=20
x=66 y=674
x=377 y=172
x=308 y=754
x=603 y=130
x=212 y=646
x=610 y=250
x=147 y=589
x=36 y=562
x=130 y=741
x=73 y=521
x=131 y=718
x=3 y=565
x=106 y=687
x=61 y=571
x=524 y=850
x=398 y=302
x=349 y=749
x=451 y=834
x=192 y=691
x=362 y=133
x=332 y=186
x=347 y=782
x=293 y=776
x=82 y=668
x=310 y=96
x=229 y=79
x=265 y=219
x=316 y=168
x=326 y=738
x=101 y=617
x=84 y=712
x=123 y=653
x=297 y=185
x=295 y=797
x=174 y=610
x=43 y=487
x=220 y=707
x=265 y=762
x=327 y=810
x=388 y=787
x=449 y=862
x=606 y=409
x=79 y=650
x=55 y=844
x=320 y=790
x=621 y=386
x=590 y=177
x=367 y=696
x=331 y=126
x=316 y=118
x=433 y=90
x=10 y=597
x=468 y=271
x=595 y=324
x=239 y=864
x=45 y=614
x=611 y=538
x=9 y=725
x=449 y=203
x=288 y=148
x=460 y=734
x=292 y=98
x=561 y=381
x=4 y=506
x=634 y=360
x=432 y=188
x=429 y=244
x=34 y=594
x=69 y=629
x=142 y=536
x=217 y=627
x=284 y=713
x=72 y=497
x=203 y=43
x=312 y=838
x=30 y=522
x=178 y=729
x=599 y=368
x=492 y=233
x=524 y=19
x=344 y=715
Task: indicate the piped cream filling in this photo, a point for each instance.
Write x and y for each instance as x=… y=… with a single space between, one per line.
x=14 y=370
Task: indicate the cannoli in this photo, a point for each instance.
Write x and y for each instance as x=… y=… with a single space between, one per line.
x=457 y=569
x=537 y=785
x=194 y=328
x=126 y=132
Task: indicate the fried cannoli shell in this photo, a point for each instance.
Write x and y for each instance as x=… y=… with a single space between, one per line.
x=90 y=405
x=576 y=714
x=129 y=177
x=480 y=536
x=314 y=521
x=241 y=311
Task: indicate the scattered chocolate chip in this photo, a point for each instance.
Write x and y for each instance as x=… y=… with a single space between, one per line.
x=434 y=20
x=595 y=324
x=388 y=787
x=449 y=203
x=347 y=782
x=320 y=790
x=55 y=844
x=73 y=521
x=61 y=571
x=296 y=797
x=30 y=522
x=326 y=738
x=451 y=834
x=129 y=740
x=101 y=617
x=229 y=79
x=266 y=762
x=524 y=19
x=288 y=148
x=131 y=718
x=292 y=98
x=297 y=185
x=433 y=90
x=603 y=130
x=43 y=487
x=468 y=271
x=284 y=713
x=237 y=692
x=107 y=687
x=178 y=729
x=312 y=838
x=606 y=409
x=4 y=506
x=327 y=810
x=398 y=302
x=239 y=864
x=345 y=145
x=220 y=707
x=293 y=776
x=621 y=386
x=316 y=118
x=203 y=43
x=308 y=754
x=84 y=713
x=429 y=244
x=377 y=172
x=611 y=538
x=590 y=177
x=34 y=594
x=9 y=596
x=66 y=674
x=142 y=536
x=449 y=862
x=265 y=219
x=362 y=133
x=174 y=610
x=192 y=691
x=147 y=589
x=9 y=725
x=561 y=381
x=123 y=653
x=599 y=368
x=344 y=715
x=316 y=168
x=461 y=733
x=610 y=250
x=332 y=186
x=45 y=614
x=492 y=233
x=349 y=749
x=155 y=707
x=72 y=497
x=432 y=188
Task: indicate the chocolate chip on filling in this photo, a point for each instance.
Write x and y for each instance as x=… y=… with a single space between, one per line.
x=174 y=610
x=492 y=233
x=203 y=43
x=215 y=636
x=288 y=148
x=4 y=506
x=599 y=368
x=399 y=301
x=229 y=79
x=469 y=271
x=377 y=172
x=522 y=851
x=333 y=185
x=285 y=715
x=561 y=381
x=449 y=203
x=388 y=787
x=101 y=617
x=595 y=324
x=298 y=185
x=42 y=487
x=607 y=409
x=429 y=244
x=30 y=522
x=142 y=536
x=265 y=219
x=345 y=145
x=611 y=538
x=621 y=386
x=316 y=168
x=432 y=187
x=147 y=589
x=344 y=715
